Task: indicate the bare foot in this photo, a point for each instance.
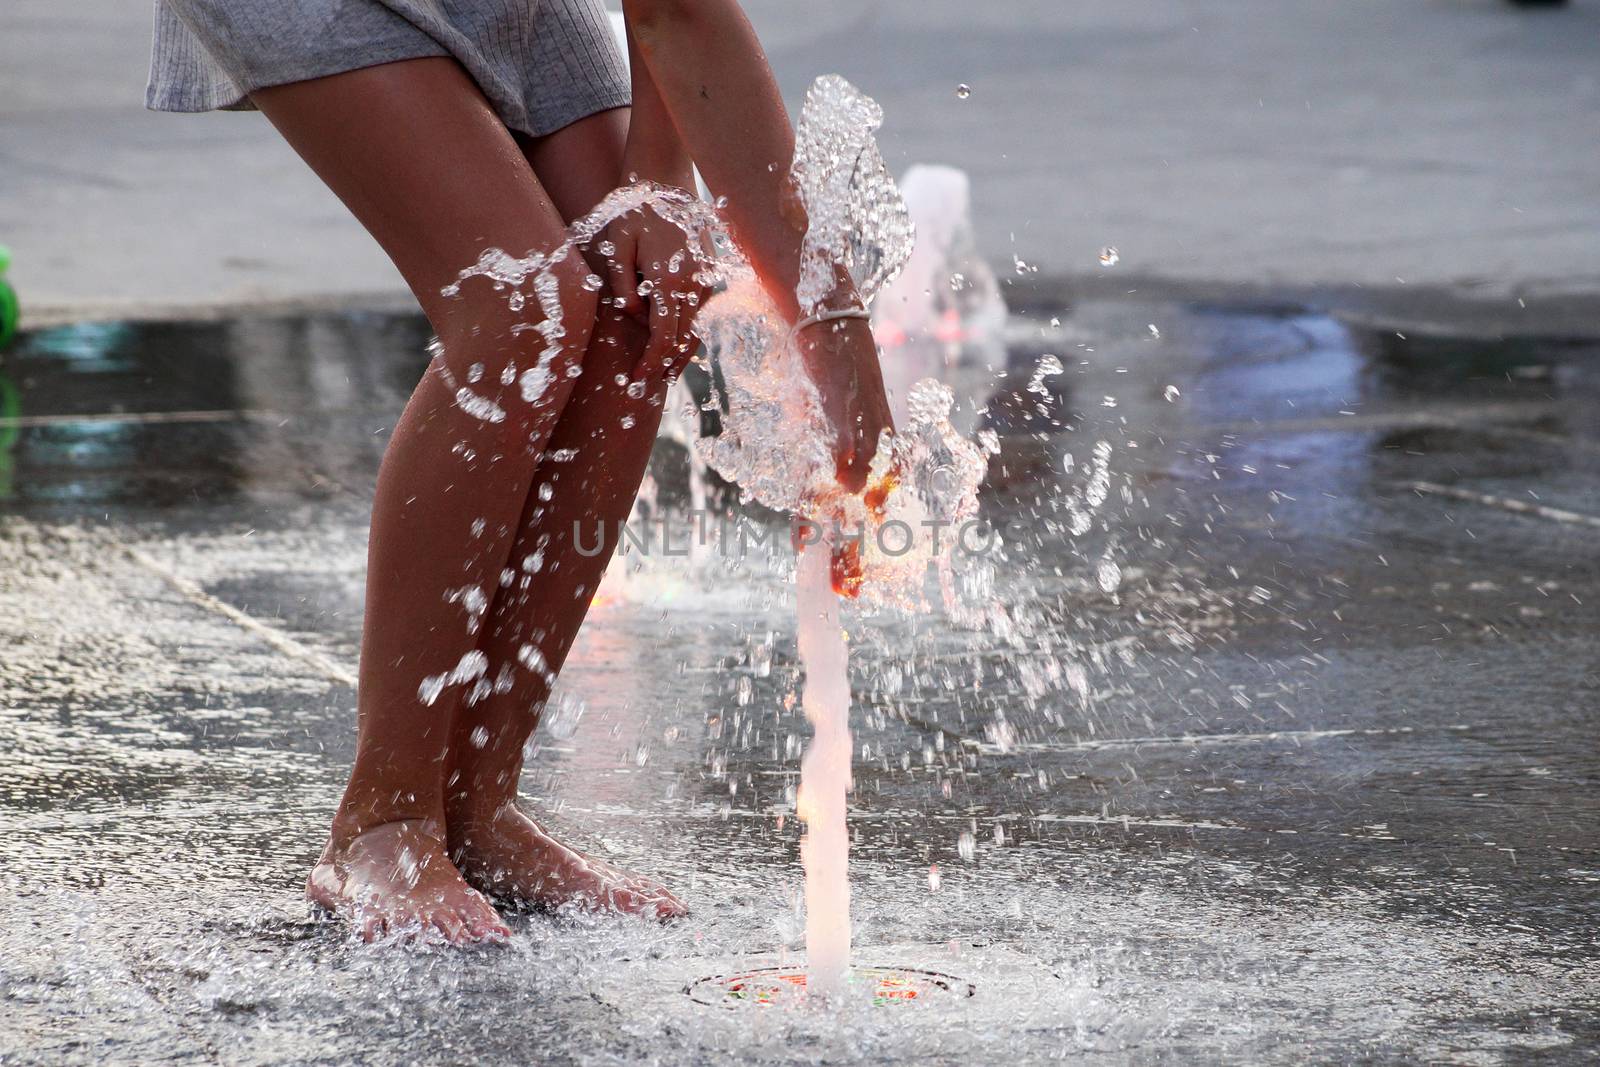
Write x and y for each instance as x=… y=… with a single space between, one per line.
x=507 y=856
x=396 y=879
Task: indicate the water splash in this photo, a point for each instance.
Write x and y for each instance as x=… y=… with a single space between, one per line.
x=927 y=327
x=857 y=218
x=824 y=776
x=775 y=444
x=537 y=271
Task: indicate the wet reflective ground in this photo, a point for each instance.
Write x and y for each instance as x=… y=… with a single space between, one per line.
x=1316 y=781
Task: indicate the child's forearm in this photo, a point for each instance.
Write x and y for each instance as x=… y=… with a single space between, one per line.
x=655 y=150
x=713 y=79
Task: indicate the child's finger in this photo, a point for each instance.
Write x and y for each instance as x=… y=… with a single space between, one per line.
x=623 y=275
x=684 y=347
x=653 y=361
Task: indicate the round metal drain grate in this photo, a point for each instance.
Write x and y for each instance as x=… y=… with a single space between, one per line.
x=880 y=986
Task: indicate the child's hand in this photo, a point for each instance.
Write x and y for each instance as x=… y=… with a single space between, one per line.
x=842 y=359
x=652 y=275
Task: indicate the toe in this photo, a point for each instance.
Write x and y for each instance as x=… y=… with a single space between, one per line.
x=485 y=928
x=405 y=924
x=663 y=905
x=485 y=923
x=655 y=899
x=450 y=924
x=481 y=917
x=622 y=900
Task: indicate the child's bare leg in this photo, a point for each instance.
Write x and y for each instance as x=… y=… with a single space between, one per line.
x=535 y=620
x=594 y=462
x=415 y=151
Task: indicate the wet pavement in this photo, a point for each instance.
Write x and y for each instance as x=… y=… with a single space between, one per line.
x=1316 y=780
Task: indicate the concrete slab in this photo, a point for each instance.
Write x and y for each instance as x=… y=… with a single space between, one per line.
x=1439 y=144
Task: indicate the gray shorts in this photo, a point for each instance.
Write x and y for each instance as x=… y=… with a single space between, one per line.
x=542 y=63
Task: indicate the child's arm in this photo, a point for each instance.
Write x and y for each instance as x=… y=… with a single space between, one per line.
x=645 y=244
x=713 y=79
x=711 y=75
x=655 y=150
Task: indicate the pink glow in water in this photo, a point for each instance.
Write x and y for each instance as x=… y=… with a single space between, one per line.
x=824 y=773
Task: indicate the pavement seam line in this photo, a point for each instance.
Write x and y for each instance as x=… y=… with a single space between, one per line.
x=279 y=640
x=153 y=418
x=1521 y=507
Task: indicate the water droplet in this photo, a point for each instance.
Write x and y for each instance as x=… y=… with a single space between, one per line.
x=963 y=91
x=999 y=834
x=934 y=879
x=628 y=422
x=562 y=717
x=1171 y=393
x=407 y=868
x=635 y=390
x=429 y=690
x=1048 y=366
x=1109 y=256
x=967 y=846
x=606 y=248
x=516 y=301
x=593 y=282
x=1155 y=331
x=480 y=736
x=744 y=691
x=1022 y=266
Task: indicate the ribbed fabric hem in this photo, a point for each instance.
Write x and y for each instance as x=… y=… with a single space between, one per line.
x=587 y=72
x=542 y=64
x=553 y=119
x=230 y=96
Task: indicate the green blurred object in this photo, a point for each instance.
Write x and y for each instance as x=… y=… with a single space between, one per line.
x=10 y=310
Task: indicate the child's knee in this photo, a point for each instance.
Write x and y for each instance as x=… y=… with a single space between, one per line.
x=580 y=307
